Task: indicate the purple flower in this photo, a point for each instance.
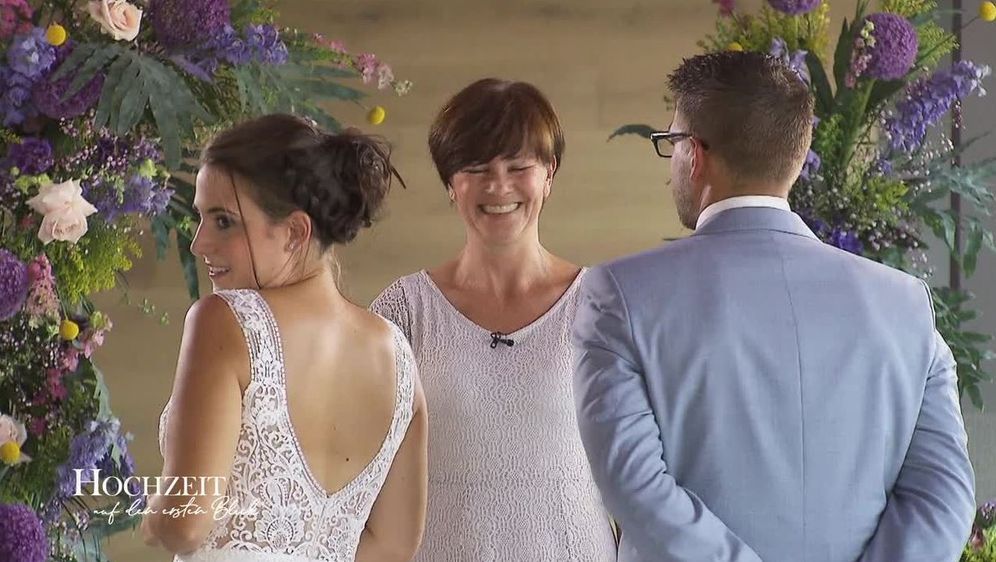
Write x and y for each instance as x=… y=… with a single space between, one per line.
x=32 y=156
x=47 y=95
x=15 y=91
x=15 y=17
x=845 y=240
x=796 y=60
x=726 y=7
x=987 y=514
x=794 y=7
x=895 y=47
x=14 y=284
x=30 y=54
x=811 y=166
x=267 y=48
x=22 y=536
x=188 y=23
x=928 y=100
x=86 y=451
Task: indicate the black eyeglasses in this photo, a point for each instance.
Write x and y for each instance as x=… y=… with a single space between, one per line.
x=664 y=141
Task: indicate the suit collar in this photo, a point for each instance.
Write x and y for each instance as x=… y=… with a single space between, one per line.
x=756 y=218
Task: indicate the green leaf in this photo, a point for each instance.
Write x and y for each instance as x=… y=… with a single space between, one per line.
x=633 y=129
x=842 y=55
x=99 y=59
x=821 y=86
x=975 y=396
x=341 y=92
x=111 y=84
x=80 y=53
x=189 y=263
x=883 y=90
x=161 y=226
x=972 y=247
x=127 y=86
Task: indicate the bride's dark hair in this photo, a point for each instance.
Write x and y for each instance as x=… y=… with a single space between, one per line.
x=340 y=180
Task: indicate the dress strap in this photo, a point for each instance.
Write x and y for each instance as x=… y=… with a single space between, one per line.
x=260 y=330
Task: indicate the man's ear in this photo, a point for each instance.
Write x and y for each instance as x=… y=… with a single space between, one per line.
x=700 y=159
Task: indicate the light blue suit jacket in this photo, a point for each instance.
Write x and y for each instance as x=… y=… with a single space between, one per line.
x=751 y=393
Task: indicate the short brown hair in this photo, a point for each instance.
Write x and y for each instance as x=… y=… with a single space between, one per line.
x=339 y=180
x=492 y=118
x=752 y=110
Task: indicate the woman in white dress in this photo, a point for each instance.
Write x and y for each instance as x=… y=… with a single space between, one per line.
x=508 y=477
x=304 y=407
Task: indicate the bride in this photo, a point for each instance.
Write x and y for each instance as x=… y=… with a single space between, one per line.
x=305 y=408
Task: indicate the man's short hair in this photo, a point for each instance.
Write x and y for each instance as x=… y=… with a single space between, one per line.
x=751 y=110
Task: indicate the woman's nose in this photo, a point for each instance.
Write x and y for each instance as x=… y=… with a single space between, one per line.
x=197 y=245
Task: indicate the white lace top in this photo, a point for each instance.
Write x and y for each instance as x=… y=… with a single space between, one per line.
x=508 y=476
x=296 y=519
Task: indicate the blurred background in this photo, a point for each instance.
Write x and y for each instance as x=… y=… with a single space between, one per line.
x=601 y=63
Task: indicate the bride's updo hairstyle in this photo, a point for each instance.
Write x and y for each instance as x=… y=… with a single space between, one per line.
x=286 y=163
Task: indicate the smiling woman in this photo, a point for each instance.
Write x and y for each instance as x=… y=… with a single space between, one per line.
x=508 y=476
x=307 y=407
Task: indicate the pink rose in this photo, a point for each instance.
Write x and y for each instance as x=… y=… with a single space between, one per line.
x=117 y=18
x=65 y=211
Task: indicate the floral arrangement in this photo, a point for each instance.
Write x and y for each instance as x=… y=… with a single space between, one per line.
x=982 y=542
x=101 y=107
x=880 y=159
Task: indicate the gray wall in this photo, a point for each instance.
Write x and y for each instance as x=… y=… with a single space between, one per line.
x=979 y=45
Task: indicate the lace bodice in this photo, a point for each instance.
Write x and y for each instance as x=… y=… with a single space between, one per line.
x=508 y=476
x=296 y=519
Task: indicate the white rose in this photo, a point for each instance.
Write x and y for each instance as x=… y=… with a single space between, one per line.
x=65 y=212
x=117 y=18
x=11 y=430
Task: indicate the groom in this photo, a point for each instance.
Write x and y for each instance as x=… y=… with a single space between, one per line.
x=750 y=393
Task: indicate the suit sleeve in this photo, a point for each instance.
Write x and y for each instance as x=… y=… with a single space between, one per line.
x=930 y=509
x=659 y=518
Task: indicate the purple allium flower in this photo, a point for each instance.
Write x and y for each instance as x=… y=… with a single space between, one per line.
x=928 y=100
x=22 y=536
x=30 y=54
x=32 y=156
x=47 y=95
x=811 y=167
x=796 y=60
x=14 y=284
x=188 y=23
x=845 y=240
x=794 y=7
x=895 y=48
x=15 y=17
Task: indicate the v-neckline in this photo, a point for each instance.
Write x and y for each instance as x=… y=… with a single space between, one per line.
x=519 y=331
x=310 y=476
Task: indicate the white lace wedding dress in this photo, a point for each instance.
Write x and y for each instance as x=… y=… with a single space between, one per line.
x=296 y=519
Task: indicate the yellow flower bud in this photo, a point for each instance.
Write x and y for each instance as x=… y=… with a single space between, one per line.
x=56 y=35
x=376 y=115
x=734 y=46
x=987 y=11
x=10 y=453
x=68 y=330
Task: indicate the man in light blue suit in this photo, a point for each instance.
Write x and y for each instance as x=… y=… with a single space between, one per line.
x=750 y=393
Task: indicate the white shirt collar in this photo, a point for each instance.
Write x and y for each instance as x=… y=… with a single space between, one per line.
x=718 y=207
